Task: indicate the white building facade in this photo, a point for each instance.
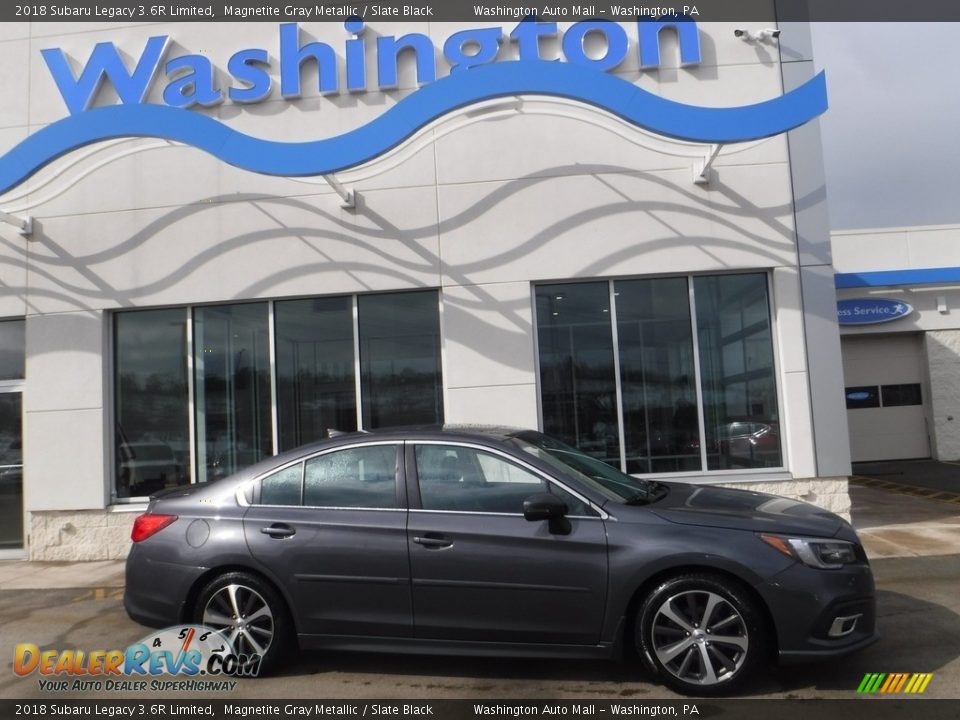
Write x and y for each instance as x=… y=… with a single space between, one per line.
x=902 y=371
x=526 y=259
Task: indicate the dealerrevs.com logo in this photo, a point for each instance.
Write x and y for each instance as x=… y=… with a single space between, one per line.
x=186 y=652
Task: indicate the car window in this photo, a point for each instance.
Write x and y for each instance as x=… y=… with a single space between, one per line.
x=471 y=480
x=356 y=477
x=282 y=487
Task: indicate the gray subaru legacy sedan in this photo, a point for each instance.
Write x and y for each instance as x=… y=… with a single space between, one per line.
x=497 y=541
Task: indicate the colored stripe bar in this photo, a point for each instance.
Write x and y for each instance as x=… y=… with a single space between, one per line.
x=889 y=278
x=894 y=683
x=900 y=684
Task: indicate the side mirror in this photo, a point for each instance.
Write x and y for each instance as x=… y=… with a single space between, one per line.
x=544 y=506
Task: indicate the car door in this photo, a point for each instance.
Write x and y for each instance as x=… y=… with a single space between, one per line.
x=332 y=529
x=480 y=570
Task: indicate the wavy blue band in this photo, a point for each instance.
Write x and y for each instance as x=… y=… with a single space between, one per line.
x=575 y=82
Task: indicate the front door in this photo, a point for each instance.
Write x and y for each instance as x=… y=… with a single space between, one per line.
x=11 y=471
x=481 y=571
x=333 y=531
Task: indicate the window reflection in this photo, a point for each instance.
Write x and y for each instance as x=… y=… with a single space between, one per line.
x=661 y=429
x=12 y=349
x=654 y=343
x=232 y=362
x=400 y=359
x=736 y=366
x=11 y=472
x=577 y=379
x=151 y=401
x=315 y=378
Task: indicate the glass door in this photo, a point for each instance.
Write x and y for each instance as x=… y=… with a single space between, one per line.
x=11 y=471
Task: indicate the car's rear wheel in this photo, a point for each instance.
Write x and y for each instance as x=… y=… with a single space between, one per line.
x=702 y=633
x=249 y=613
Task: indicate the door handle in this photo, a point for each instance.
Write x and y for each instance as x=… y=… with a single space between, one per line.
x=278 y=530
x=436 y=541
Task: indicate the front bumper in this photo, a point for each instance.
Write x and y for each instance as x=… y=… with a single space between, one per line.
x=805 y=604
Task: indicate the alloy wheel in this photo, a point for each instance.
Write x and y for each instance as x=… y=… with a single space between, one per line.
x=699 y=637
x=243 y=616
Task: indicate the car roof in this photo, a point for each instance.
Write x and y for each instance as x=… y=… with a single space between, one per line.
x=478 y=433
x=449 y=430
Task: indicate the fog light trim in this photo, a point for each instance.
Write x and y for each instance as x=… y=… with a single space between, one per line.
x=843 y=625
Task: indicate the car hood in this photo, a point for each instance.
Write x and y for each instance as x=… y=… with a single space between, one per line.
x=713 y=506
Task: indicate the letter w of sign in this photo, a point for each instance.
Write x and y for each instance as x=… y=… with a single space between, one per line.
x=105 y=64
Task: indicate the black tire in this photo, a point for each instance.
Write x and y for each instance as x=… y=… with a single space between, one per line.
x=270 y=631
x=696 y=660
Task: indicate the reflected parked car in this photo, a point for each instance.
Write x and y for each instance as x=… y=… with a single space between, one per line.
x=499 y=542
x=146 y=467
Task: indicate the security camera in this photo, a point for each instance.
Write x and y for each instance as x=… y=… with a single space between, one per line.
x=758 y=36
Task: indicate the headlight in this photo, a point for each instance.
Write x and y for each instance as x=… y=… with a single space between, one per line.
x=815 y=552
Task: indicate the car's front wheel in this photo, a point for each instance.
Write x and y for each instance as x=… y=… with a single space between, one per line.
x=702 y=633
x=249 y=613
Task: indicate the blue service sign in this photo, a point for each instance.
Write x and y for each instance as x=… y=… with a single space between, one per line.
x=869 y=311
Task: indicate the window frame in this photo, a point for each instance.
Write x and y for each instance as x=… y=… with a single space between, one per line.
x=253 y=486
x=704 y=475
x=191 y=401
x=415 y=503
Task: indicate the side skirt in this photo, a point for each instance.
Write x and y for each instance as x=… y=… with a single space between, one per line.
x=424 y=646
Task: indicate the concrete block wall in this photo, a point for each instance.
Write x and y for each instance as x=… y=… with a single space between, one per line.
x=943 y=361
x=829 y=493
x=80 y=535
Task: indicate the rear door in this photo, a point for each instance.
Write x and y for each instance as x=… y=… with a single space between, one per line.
x=332 y=529
x=480 y=571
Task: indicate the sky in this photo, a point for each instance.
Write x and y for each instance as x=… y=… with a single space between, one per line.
x=891 y=138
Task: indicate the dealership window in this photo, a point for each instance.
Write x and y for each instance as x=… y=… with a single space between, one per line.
x=657 y=375
x=400 y=359
x=266 y=377
x=151 y=401
x=737 y=374
x=630 y=375
x=11 y=446
x=231 y=357
x=316 y=388
x=578 y=386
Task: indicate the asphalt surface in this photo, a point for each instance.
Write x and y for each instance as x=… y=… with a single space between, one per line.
x=919 y=616
x=925 y=474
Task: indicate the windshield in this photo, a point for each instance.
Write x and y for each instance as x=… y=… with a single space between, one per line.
x=594 y=473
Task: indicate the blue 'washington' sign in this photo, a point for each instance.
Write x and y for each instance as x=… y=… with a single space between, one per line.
x=477 y=73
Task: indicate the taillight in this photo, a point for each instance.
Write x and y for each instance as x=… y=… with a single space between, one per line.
x=149 y=524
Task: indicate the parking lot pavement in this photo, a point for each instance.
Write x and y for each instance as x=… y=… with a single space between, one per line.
x=897 y=524
x=937 y=477
x=20 y=575
x=919 y=618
